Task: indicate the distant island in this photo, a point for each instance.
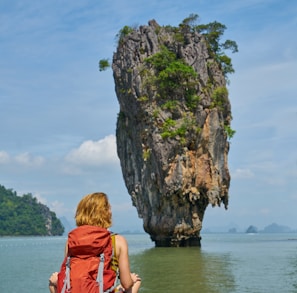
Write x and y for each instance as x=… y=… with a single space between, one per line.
x=25 y=216
x=272 y=228
x=252 y=229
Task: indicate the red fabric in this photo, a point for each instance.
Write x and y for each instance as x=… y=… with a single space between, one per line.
x=85 y=244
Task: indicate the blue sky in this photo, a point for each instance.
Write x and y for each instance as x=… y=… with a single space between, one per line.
x=58 y=112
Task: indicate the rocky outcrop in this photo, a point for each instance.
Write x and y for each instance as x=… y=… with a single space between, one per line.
x=171 y=129
x=24 y=215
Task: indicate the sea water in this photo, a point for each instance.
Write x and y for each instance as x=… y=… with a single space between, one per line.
x=225 y=263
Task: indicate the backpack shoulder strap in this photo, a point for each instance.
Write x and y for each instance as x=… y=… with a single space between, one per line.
x=100 y=272
x=114 y=259
x=114 y=244
x=66 y=285
x=114 y=266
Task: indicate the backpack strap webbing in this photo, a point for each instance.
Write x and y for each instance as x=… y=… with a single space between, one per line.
x=66 y=285
x=100 y=272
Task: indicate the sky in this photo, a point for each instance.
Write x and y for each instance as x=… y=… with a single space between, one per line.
x=58 y=112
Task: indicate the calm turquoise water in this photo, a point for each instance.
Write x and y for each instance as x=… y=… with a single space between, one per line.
x=226 y=263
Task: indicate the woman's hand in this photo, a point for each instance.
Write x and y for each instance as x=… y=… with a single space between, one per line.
x=135 y=278
x=52 y=281
x=137 y=283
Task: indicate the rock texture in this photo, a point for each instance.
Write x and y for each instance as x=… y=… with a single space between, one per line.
x=173 y=154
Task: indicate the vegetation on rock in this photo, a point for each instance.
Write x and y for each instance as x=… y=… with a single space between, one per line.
x=24 y=215
x=174 y=79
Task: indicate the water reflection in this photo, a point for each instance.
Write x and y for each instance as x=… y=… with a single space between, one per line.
x=291 y=269
x=183 y=270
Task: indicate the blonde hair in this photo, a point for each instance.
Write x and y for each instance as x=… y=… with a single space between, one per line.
x=94 y=209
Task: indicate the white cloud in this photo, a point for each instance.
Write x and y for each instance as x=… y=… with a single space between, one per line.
x=242 y=174
x=40 y=198
x=71 y=170
x=4 y=157
x=58 y=207
x=94 y=153
x=26 y=159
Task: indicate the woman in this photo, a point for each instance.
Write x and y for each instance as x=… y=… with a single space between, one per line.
x=94 y=212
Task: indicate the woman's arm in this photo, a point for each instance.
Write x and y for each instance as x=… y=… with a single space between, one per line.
x=127 y=278
x=53 y=282
x=66 y=248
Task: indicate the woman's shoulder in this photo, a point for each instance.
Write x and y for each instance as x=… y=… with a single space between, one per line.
x=120 y=239
x=121 y=244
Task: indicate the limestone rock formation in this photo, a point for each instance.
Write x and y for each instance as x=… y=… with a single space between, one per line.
x=172 y=137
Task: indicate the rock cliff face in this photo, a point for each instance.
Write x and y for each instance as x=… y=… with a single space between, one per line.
x=171 y=130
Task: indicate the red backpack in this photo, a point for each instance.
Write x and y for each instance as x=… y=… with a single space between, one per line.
x=88 y=266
